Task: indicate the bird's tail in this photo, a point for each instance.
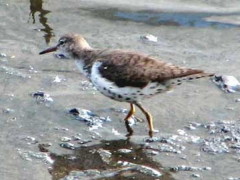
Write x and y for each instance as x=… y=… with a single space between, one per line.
x=180 y=80
x=198 y=76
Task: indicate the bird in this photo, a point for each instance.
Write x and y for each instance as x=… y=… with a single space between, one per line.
x=124 y=75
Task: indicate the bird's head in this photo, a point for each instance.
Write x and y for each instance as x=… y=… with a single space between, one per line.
x=68 y=45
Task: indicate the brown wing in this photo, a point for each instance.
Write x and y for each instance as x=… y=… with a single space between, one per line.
x=137 y=70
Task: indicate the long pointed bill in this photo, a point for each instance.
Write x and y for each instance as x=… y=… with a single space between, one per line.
x=51 y=49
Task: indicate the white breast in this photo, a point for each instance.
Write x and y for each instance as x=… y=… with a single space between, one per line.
x=80 y=66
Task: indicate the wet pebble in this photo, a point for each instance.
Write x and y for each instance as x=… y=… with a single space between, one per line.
x=191 y=127
x=74 y=175
x=181 y=132
x=30 y=140
x=227 y=83
x=66 y=139
x=215 y=147
x=152 y=139
x=62 y=129
x=57 y=79
x=149 y=38
x=223 y=137
x=120 y=110
x=86 y=86
x=91 y=119
x=42 y=97
x=14 y=72
x=235 y=146
x=84 y=141
x=115 y=132
x=76 y=138
x=105 y=155
x=44 y=147
x=189 y=168
x=32 y=70
x=8 y=110
x=67 y=145
x=153 y=152
x=3 y=55
x=196 y=175
x=125 y=151
x=142 y=168
x=30 y=156
x=167 y=144
x=74 y=111
x=168 y=148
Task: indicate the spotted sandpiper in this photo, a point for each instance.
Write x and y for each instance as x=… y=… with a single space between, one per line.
x=124 y=76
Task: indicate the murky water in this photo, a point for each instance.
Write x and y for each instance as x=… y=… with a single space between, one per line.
x=198 y=123
x=118 y=159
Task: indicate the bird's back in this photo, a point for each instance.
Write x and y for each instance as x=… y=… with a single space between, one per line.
x=133 y=69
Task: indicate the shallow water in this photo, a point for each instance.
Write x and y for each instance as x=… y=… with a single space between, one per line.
x=198 y=123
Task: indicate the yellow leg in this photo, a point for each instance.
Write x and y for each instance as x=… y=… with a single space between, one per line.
x=130 y=113
x=148 y=117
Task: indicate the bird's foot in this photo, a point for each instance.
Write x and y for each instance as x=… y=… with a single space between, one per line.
x=151 y=132
x=129 y=129
x=151 y=138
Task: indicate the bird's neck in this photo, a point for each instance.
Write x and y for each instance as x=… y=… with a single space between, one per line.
x=85 y=59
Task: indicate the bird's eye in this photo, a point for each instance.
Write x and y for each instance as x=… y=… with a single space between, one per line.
x=61 y=42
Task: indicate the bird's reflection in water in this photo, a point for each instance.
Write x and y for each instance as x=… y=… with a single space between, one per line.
x=37 y=6
x=117 y=159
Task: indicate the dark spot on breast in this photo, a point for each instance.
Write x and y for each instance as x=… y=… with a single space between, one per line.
x=159 y=90
x=179 y=83
x=138 y=91
x=198 y=77
x=141 y=94
x=104 y=89
x=173 y=82
x=190 y=78
x=152 y=87
x=133 y=94
x=110 y=92
x=119 y=96
x=127 y=99
x=179 y=80
x=110 y=87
